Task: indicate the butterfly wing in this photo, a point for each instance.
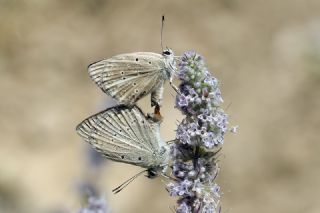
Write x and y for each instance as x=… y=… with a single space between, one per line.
x=124 y=134
x=129 y=77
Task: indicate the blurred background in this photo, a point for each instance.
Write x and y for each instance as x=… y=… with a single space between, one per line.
x=266 y=55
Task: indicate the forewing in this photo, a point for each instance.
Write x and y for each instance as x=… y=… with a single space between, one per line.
x=123 y=134
x=128 y=77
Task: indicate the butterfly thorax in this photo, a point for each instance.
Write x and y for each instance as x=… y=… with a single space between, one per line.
x=170 y=65
x=160 y=159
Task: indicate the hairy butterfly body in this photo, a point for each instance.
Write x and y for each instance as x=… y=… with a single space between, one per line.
x=129 y=77
x=126 y=135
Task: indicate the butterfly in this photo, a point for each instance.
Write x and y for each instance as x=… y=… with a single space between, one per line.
x=124 y=134
x=129 y=77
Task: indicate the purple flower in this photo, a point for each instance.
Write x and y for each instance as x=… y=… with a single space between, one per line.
x=209 y=140
x=211 y=81
x=183 y=208
x=199 y=135
x=215 y=97
x=192 y=129
x=174 y=190
x=182 y=134
x=215 y=189
x=95 y=205
x=181 y=101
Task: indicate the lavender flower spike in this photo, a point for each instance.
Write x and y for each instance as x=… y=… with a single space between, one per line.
x=95 y=205
x=199 y=137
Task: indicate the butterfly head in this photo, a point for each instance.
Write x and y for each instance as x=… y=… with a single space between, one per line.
x=167 y=53
x=152 y=173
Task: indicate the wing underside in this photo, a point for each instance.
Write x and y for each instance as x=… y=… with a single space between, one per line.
x=122 y=134
x=128 y=77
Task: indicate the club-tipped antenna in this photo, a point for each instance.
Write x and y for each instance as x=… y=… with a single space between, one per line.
x=127 y=182
x=162 y=25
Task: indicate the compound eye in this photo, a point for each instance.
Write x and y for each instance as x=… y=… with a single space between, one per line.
x=167 y=52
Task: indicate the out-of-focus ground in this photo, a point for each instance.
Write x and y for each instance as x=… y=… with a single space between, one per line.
x=265 y=53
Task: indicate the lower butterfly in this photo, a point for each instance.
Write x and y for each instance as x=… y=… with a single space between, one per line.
x=125 y=134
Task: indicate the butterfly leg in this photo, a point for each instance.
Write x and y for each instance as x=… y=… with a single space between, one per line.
x=168 y=177
x=173 y=86
x=164 y=172
x=156 y=116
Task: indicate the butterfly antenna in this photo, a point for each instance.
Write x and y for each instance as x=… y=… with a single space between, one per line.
x=162 y=24
x=127 y=182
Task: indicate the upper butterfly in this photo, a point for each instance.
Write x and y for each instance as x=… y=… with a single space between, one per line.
x=129 y=77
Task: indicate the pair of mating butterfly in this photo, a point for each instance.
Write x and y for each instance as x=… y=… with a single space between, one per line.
x=123 y=133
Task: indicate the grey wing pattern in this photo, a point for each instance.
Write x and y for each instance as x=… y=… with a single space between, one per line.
x=129 y=77
x=123 y=134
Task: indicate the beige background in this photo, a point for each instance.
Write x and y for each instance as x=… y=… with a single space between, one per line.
x=265 y=53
